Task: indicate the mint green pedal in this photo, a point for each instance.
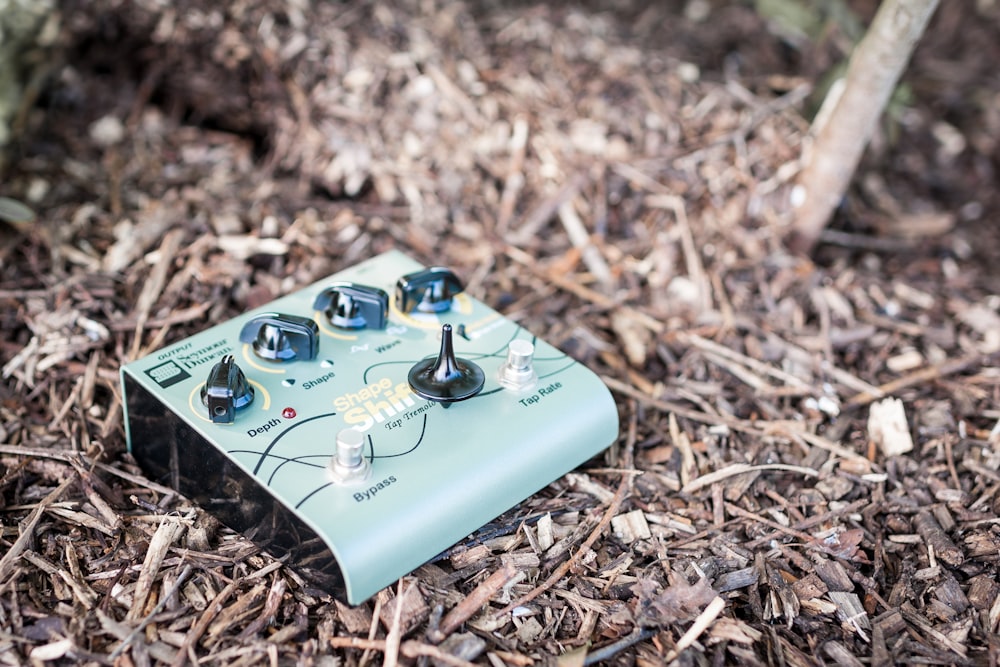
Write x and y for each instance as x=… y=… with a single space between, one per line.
x=366 y=423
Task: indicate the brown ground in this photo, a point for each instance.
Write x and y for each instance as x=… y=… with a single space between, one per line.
x=745 y=514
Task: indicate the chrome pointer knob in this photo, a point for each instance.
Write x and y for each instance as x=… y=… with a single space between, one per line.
x=226 y=391
x=279 y=337
x=427 y=291
x=353 y=306
x=446 y=378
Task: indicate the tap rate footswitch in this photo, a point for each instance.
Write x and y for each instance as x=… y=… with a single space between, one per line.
x=366 y=423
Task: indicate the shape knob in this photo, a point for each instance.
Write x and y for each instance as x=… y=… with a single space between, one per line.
x=226 y=391
x=446 y=378
x=427 y=291
x=279 y=337
x=353 y=306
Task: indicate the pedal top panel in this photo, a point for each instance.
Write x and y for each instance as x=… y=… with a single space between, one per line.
x=364 y=433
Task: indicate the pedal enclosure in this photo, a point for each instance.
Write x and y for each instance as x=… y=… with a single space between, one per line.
x=436 y=474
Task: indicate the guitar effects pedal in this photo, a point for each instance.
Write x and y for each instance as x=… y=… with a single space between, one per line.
x=366 y=423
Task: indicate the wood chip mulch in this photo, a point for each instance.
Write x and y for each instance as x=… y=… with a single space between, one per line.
x=809 y=465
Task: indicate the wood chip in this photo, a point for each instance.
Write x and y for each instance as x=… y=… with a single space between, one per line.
x=833 y=575
x=731 y=581
x=850 y=611
x=931 y=634
x=169 y=530
x=474 y=602
x=630 y=527
x=412 y=609
x=888 y=429
x=935 y=538
x=983 y=590
x=841 y=655
x=702 y=623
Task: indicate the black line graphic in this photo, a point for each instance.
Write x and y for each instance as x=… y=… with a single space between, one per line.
x=266 y=453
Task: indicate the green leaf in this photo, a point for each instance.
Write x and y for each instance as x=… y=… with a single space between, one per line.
x=14 y=211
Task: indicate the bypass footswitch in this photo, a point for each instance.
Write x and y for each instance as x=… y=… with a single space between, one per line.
x=366 y=423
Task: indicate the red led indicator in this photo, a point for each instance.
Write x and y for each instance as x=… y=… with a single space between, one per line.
x=288 y=413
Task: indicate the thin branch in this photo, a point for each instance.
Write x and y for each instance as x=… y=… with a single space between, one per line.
x=852 y=114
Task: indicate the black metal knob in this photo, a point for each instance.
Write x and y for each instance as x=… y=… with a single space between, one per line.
x=446 y=378
x=353 y=306
x=279 y=337
x=428 y=290
x=226 y=390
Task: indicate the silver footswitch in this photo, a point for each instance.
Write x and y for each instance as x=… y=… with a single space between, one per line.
x=518 y=372
x=349 y=465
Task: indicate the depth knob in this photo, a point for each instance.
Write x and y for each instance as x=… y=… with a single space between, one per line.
x=353 y=306
x=428 y=290
x=226 y=390
x=279 y=337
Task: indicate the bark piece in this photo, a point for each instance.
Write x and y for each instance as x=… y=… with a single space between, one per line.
x=935 y=537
